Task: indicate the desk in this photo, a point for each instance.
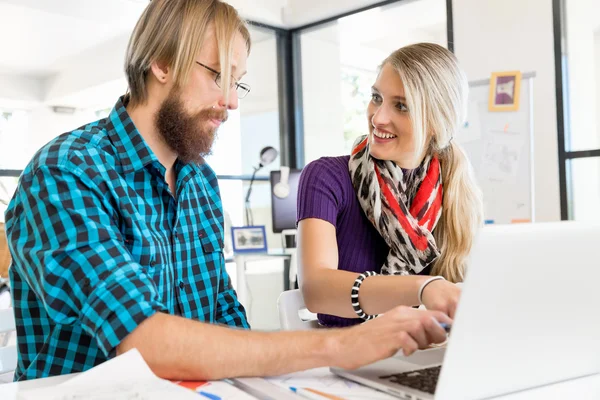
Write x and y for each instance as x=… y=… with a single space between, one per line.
x=587 y=388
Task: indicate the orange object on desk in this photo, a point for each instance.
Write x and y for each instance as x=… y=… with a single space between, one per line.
x=192 y=385
x=324 y=395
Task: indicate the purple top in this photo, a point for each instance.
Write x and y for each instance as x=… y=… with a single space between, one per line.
x=325 y=192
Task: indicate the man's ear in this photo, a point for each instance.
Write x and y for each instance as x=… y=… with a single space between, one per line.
x=161 y=71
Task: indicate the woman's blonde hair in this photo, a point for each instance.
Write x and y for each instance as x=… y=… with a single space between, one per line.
x=172 y=32
x=436 y=92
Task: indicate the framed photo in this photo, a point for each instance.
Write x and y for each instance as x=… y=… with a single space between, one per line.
x=249 y=239
x=505 y=88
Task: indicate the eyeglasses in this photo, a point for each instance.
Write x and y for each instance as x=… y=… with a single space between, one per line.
x=242 y=89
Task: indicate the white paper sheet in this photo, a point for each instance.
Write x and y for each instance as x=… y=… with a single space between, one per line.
x=126 y=377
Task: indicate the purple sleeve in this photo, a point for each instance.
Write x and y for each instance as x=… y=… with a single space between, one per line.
x=320 y=190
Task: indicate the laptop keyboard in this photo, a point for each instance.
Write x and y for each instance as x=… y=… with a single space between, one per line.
x=424 y=380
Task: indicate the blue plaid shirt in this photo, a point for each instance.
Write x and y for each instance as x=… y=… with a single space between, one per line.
x=99 y=244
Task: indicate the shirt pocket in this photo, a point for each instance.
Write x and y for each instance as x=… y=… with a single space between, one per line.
x=210 y=242
x=144 y=249
x=198 y=286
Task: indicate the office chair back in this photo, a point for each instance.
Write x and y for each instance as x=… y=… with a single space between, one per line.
x=293 y=314
x=8 y=349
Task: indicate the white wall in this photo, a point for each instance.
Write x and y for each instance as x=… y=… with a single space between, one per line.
x=501 y=35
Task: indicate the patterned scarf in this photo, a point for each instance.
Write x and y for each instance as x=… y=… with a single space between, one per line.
x=386 y=195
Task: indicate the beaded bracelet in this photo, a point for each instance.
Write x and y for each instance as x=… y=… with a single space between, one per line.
x=354 y=296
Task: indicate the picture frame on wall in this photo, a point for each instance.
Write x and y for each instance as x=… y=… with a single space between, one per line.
x=505 y=90
x=249 y=239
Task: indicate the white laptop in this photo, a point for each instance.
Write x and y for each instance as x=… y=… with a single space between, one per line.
x=528 y=317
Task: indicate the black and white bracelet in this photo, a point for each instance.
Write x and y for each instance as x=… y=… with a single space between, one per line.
x=354 y=296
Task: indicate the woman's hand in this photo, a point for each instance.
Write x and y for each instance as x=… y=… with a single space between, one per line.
x=441 y=296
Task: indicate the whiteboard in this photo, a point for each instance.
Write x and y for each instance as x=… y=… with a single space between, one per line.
x=499 y=145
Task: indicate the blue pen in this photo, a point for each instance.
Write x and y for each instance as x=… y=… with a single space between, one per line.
x=446 y=326
x=306 y=394
x=209 y=395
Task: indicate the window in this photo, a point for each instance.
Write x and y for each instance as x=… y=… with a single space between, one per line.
x=14 y=134
x=339 y=65
x=580 y=62
x=8 y=185
x=256 y=123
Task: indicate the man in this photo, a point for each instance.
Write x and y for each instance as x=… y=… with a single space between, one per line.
x=116 y=228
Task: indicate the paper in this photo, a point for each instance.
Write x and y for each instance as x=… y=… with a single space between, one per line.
x=218 y=389
x=325 y=381
x=265 y=390
x=126 y=377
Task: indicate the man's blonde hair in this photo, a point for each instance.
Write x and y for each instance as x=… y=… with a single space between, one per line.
x=172 y=32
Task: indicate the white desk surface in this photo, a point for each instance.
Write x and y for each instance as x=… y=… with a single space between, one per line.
x=587 y=388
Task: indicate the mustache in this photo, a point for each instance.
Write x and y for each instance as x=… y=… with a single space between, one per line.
x=213 y=113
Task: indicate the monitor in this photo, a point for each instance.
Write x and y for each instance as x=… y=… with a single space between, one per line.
x=283 y=210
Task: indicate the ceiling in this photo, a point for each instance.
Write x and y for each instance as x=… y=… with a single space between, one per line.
x=58 y=51
x=38 y=36
x=393 y=25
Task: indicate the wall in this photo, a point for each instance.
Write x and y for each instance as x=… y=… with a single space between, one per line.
x=517 y=35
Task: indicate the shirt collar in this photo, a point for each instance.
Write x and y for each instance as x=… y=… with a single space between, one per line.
x=132 y=150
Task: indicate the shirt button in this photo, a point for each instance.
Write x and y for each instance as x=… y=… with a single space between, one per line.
x=202 y=235
x=86 y=286
x=181 y=285
x=152 y=263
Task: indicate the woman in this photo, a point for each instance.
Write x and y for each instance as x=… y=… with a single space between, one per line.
x=403 y=207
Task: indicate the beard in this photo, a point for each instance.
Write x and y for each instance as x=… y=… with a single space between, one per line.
x=190 y=136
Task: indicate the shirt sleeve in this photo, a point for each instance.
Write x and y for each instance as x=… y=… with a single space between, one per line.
x=229 y=310
x=74 y=258
x=320 y=191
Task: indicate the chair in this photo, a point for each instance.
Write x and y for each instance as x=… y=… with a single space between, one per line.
x=293 y=314
x=8 y=350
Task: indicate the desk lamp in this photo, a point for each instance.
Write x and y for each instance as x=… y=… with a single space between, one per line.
x=267 y=156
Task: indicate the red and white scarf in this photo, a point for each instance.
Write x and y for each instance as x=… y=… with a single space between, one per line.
x=404 y=208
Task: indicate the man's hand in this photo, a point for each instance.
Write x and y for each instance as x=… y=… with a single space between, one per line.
x=403 y=328
x=441 y=296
